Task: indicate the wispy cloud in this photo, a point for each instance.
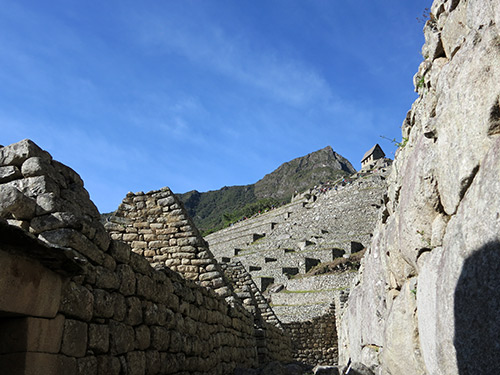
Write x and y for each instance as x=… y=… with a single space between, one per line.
x=276 y=73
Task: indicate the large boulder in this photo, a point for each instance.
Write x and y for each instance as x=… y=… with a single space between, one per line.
x=427 y=298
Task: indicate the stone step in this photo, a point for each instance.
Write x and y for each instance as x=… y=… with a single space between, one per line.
x=277 y=215
x=321 y=282
x=304 y=297
x=300 y=313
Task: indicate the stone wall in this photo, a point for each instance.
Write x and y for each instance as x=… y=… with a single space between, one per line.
x=303 y=299
x=74 y=301
x=156 y=226
x=247 y=291
x=314 y=342
x=320 y=225
x=427 y=298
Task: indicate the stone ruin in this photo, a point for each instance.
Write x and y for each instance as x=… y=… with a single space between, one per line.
x=156 y=226
x=279 y=247
x=318 y=227
x=73 y=300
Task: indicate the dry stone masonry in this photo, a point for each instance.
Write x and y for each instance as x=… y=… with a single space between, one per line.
x=247 y=291
x=315 y=341
x=75 y=301
x=279 y=246
x=427 y=297
x=318 y=226
x=156 y=226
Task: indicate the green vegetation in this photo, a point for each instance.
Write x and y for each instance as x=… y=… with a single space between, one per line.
x=250 y=209
x=421 y=82
x=207 y=209
x=401 y=144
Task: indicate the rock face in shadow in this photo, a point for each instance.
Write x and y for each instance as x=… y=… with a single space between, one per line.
x=477 y=303
x=407 y=312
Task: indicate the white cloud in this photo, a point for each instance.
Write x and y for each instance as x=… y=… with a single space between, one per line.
x=275 y=73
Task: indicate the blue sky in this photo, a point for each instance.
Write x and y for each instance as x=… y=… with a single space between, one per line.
x=207 y=93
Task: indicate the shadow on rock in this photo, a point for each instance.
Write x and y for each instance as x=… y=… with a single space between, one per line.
x=477 y=312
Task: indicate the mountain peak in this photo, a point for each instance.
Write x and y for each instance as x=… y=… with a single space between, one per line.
x=303 y=172
x=207 y=209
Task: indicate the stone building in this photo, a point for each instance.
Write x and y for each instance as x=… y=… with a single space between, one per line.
x=371 y=156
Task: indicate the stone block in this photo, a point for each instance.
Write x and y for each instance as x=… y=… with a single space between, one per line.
x=176 y=342
x=134 y=311
x=17 y=153
x=28 y=288
x=99 y=338
x=109 y=262
x=106 y=279
x=67 y=237
x=9 y=173
x=189 y=241
x=79 y=199
x=209 y=275
x=136 y=362
x=13 y=203
x=68 y=173
x=108 y=365
x=160 y=338
x=120 y=307
x=36 y=166
x=86 y=366
x=55 y=220
x=103 y=304
x=166 y=201
x=139 y=244
x=74 y=341
x=158 y=244
x=187 y=268
x=101 y=238
x=120 y=251
x=31 y=334
x=184 y=255
x=145 y=286
x=47 y=203
x=122 y=338
x=153 y=362
x=77 y=301
x=150 y=312
x=126 y=278
x=140 y=264
x=172 y=262
x=142 y=337
x=34 y=186
x=129 y=237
